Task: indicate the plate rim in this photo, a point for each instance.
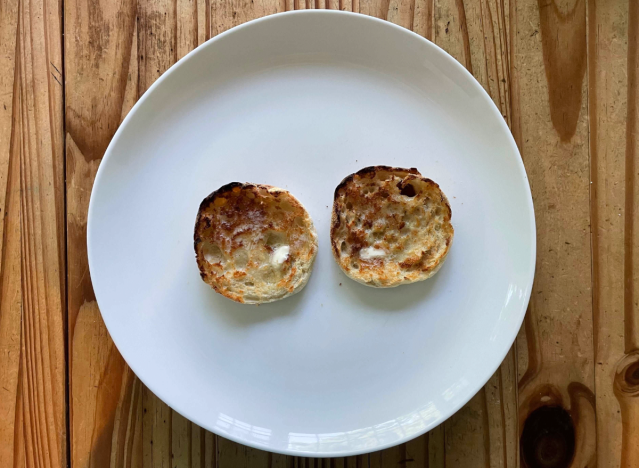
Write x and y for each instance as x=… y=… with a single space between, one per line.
x=474 y=389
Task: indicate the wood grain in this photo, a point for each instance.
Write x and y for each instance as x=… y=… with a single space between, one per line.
x=613 y=62
x=556 y=359
x=226 y=14
x=564 y=75
x=104 y=401
x=10 y=268
x=32 y=272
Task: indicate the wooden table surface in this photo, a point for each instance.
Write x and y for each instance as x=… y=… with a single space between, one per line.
x=564 y=74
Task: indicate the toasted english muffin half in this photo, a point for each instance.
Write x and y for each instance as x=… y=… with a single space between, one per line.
x=390 y=226
x=254 y=243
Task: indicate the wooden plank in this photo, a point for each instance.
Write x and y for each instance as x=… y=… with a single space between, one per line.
x=105 y=400
x=613 y=44
x=627 y=373
x=484 y=432
x=33 y=329
x=10 y=269
x=555 y=354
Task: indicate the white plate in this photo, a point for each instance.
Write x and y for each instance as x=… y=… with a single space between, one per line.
x=300 y=100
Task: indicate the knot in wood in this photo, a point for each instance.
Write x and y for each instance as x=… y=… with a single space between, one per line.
x=626 y=382
x=548 y=438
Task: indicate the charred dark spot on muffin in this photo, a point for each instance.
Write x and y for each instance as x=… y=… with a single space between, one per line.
x=371 y=170
x=407 y=190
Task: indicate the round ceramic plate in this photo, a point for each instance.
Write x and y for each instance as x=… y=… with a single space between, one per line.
x=300 y=100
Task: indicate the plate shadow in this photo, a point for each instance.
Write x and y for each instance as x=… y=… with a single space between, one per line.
x=246 y=315
x=395 y=299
